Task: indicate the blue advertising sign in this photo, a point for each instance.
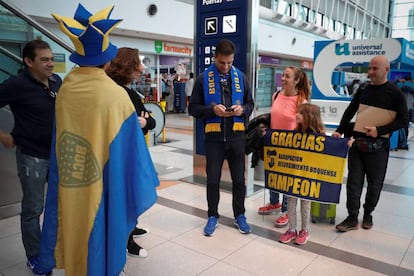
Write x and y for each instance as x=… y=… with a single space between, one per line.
x=332 y=84
x=218 y=19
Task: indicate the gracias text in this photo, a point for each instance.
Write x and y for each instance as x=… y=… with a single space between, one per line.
x=295 y=185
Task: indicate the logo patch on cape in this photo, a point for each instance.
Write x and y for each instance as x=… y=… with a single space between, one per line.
x=77 y=163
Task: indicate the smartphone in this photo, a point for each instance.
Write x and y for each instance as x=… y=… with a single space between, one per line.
x=229 y=109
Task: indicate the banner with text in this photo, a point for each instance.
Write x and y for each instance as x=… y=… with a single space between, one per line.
x=305 y=165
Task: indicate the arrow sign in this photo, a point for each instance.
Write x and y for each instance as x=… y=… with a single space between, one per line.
x=211 y=26
x=229 y=24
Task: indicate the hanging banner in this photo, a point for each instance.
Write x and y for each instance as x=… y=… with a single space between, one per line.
x=305 y=165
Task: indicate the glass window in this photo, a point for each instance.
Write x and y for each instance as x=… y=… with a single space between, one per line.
x=325 y=22
x=295 y=10
x=330 y=24
x=311 y=16
x=266 y=3
x=403 y=19
x=319 y=20
x=338 y=26
x=284 y=8
x=303 y=13
x=350 y=32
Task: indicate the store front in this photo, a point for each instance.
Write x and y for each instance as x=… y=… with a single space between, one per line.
x=166 y=62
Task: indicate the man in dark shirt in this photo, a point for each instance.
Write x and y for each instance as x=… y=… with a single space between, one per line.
x=224 y=110
x=368 y=155
x=31 y=97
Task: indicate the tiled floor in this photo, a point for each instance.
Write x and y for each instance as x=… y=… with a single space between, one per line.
x=177 y=246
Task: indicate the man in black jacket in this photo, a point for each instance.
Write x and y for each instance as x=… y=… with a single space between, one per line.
x=368 y=155
x=224 y=111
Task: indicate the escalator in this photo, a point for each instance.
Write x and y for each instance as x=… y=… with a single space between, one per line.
x=16 y=29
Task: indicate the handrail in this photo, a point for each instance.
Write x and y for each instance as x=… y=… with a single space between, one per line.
x=38 y=26
x=5 y=72
x=11 y=55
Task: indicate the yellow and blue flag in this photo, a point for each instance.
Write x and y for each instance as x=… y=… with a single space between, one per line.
x=101 y=177
x=305 y=165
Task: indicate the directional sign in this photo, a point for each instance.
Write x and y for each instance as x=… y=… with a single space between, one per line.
x=229 y=24
x=211 y=26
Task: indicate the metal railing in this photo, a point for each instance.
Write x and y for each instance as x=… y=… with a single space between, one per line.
x=36 y=25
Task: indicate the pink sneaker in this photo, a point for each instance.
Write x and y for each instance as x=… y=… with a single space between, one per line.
x=288 y=236
x=303 y=237
x=282 y=221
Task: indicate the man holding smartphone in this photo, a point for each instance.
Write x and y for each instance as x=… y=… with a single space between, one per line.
x=224 y=110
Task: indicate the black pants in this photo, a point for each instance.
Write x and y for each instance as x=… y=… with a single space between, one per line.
x=215 y=154
x=374 y=166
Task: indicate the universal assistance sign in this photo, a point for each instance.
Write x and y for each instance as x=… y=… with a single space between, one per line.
x=336 y=57
x=305 y=165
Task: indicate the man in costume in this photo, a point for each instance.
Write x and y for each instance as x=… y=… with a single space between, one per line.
x=101 y=176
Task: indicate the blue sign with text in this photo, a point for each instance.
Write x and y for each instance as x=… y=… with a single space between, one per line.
x=218 y=19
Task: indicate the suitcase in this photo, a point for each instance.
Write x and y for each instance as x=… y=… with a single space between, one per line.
x=394 y=141
x=323 y=212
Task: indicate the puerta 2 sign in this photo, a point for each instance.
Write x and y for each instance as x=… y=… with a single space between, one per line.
x=215 y=20
x=331 y=56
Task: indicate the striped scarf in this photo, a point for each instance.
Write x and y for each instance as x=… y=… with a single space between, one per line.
x=213 y=93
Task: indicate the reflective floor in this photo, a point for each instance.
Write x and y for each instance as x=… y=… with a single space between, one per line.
x=176 y=245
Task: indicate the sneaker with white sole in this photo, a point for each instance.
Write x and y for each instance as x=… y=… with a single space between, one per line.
x=134 y=250
x=33 y=264
x=212 y=224
x=282 y=221
x=269 y=208
x=303 y=237
x=288 y=236
x=241 y=223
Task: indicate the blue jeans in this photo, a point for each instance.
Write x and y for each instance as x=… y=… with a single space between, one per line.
x=32 y=173
x=274 y=198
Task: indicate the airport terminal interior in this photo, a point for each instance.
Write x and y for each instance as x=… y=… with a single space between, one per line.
x=176 y=244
